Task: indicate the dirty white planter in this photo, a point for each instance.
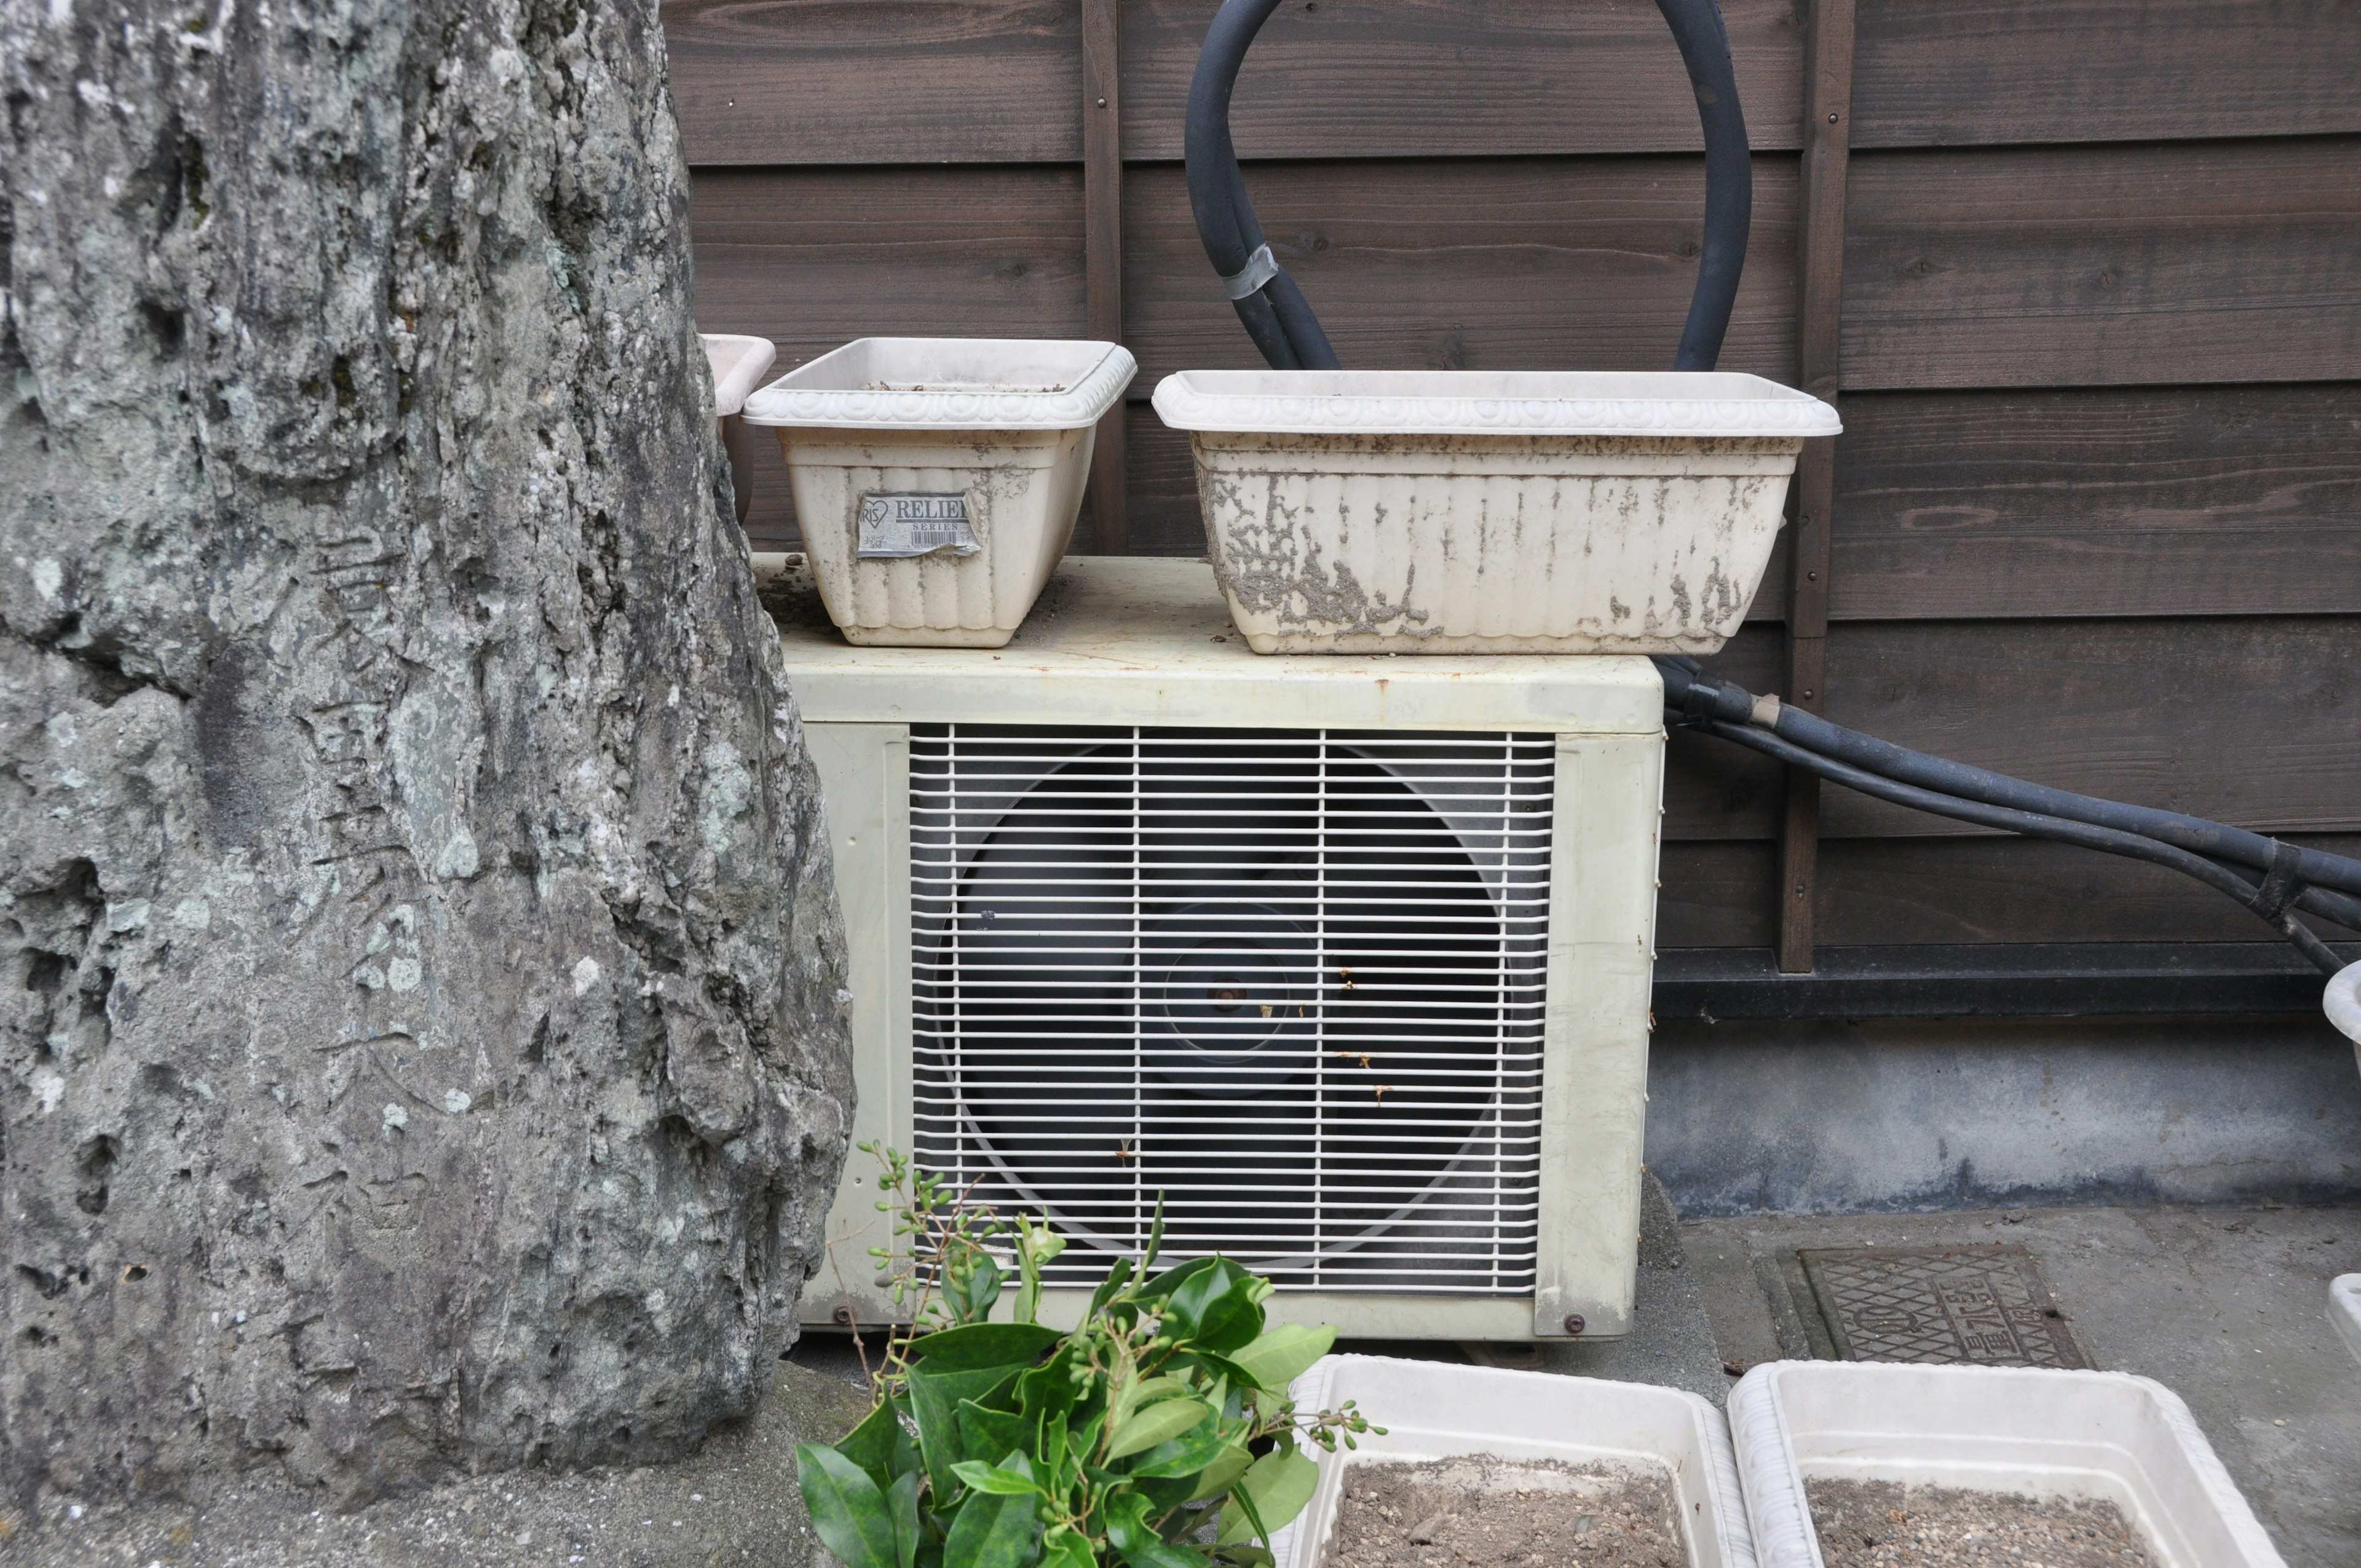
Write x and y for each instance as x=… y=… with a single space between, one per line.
x=937 y=480
x=2000 y=1429
x=2343 y=1006
x=2344 y=1310
x=738 y=363
x=1434 y=1411
x=1401 y=511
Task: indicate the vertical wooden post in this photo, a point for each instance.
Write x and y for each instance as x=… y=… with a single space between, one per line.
x=1103 y=252
x=1819 y=315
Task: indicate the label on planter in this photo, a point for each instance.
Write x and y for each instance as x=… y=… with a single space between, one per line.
x=896 y=527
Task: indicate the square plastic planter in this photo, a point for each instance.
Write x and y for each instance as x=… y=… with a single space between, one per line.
x=738 y=363
x=1399 y=511
x=937 y=479
x=1434 y=1410
x=2024 y=1430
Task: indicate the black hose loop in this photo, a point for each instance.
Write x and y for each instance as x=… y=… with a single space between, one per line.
x=1281 y=321
x=1697 y=27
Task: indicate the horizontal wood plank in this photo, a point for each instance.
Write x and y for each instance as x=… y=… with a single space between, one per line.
x=1481 y=265
x=1907 y=892
x=1903 y=892
x=1448 y=79
x=1937 y=73
x=2203 y=501
x=2115 y=265
x=832 y=81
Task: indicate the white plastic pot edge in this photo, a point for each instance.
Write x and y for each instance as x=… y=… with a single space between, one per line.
x=1399 y=403
x=2344 y=1309
x=1781 y=1516
x=738 y=363
x=1105 y=369
x=1722 y=1476
x=2343 y=1002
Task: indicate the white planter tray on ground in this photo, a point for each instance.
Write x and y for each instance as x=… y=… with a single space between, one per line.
x=2026 y=1431
x=2344 y=1310
x=937 y=479
x=1437 y=1410
x=1404 y=512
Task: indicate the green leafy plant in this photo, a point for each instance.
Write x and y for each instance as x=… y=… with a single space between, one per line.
x=1157 y=1434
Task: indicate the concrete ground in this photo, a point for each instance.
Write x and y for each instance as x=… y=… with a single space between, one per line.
x=2226 y=1306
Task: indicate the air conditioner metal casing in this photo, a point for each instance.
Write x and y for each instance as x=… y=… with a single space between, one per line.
x=1146 y=644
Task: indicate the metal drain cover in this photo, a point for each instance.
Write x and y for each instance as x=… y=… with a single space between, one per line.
x=1980 y=1306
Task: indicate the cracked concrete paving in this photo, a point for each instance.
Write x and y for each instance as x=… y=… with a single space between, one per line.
x=2226 y=1306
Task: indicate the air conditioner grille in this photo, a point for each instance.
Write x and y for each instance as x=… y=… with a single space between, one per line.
x=1293 y=980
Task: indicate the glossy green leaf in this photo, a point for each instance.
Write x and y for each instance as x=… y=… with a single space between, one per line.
x=1188 y=1453
x=1136 y=1541
x=1215 y=1308
x=935 y=1398
x=847 y=1507
x=1164 y=1284
x=1269 y=1497
x=871 y=1444
x=983 y=1344
x=1222 y=1473
x=990 y=1532
x=1064 y=1546
x=902 y=1507
x=983 y=1430
x=1165 y=1419
x=996 y=1481
x=1282 y=1354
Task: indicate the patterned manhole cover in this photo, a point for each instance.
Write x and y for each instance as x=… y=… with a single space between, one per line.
x=1983 y=1306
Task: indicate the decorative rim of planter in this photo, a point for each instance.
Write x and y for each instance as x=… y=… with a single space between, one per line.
x=1089 y=376
x=738 y=362
x=2342 y=1002
x=2344 y=1310
x=1513 y=403
x=1784 y=1536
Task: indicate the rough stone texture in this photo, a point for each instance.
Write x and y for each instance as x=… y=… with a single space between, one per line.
x=733 y=1503
x=420 y=1027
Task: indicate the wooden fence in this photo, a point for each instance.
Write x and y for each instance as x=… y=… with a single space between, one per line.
x=2083 y=275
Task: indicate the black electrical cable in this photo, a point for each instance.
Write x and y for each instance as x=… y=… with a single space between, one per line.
x=2036 y=825
x=2326 y=883
x=1273 y=309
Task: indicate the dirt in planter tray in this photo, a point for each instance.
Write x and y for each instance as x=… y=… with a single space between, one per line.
x=1491 y=1513
x=1884 y=1524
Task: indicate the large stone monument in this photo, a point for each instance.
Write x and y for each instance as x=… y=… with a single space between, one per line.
x=421 y=1028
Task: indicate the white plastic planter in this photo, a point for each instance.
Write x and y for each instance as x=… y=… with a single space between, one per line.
x=937 y=479
x=1399 y=511
x=2343 y=1006
x=738 y=363
x=2344 y=1310
x=2022 y=1431
x=1433 y=1410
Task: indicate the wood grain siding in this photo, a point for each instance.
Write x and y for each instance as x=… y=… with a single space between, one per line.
x=876 y=81
x=2165 y=501
x=2252 y=721
x=2118 y=266
x=1484 y=264
x=1387 y=78
x=1953 y=72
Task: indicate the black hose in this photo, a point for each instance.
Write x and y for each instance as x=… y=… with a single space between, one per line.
x=2036 y=825
x=1729 y=177
x=1275 y=312
x=1273 y=309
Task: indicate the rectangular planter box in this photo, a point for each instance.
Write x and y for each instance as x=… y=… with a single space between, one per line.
x=937 y=480
x=2025 y=1430
x=738 y=363
x=1398 y=512
x=1437 y=1410
x=2344 y=1310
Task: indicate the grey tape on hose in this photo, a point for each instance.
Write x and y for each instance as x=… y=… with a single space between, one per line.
x=1261 y=268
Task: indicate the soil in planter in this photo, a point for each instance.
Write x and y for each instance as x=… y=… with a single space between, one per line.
x=1884 y=1524
x=1472 y=1513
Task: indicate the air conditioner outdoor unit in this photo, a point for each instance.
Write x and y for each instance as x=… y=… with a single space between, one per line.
x=1346 y=958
